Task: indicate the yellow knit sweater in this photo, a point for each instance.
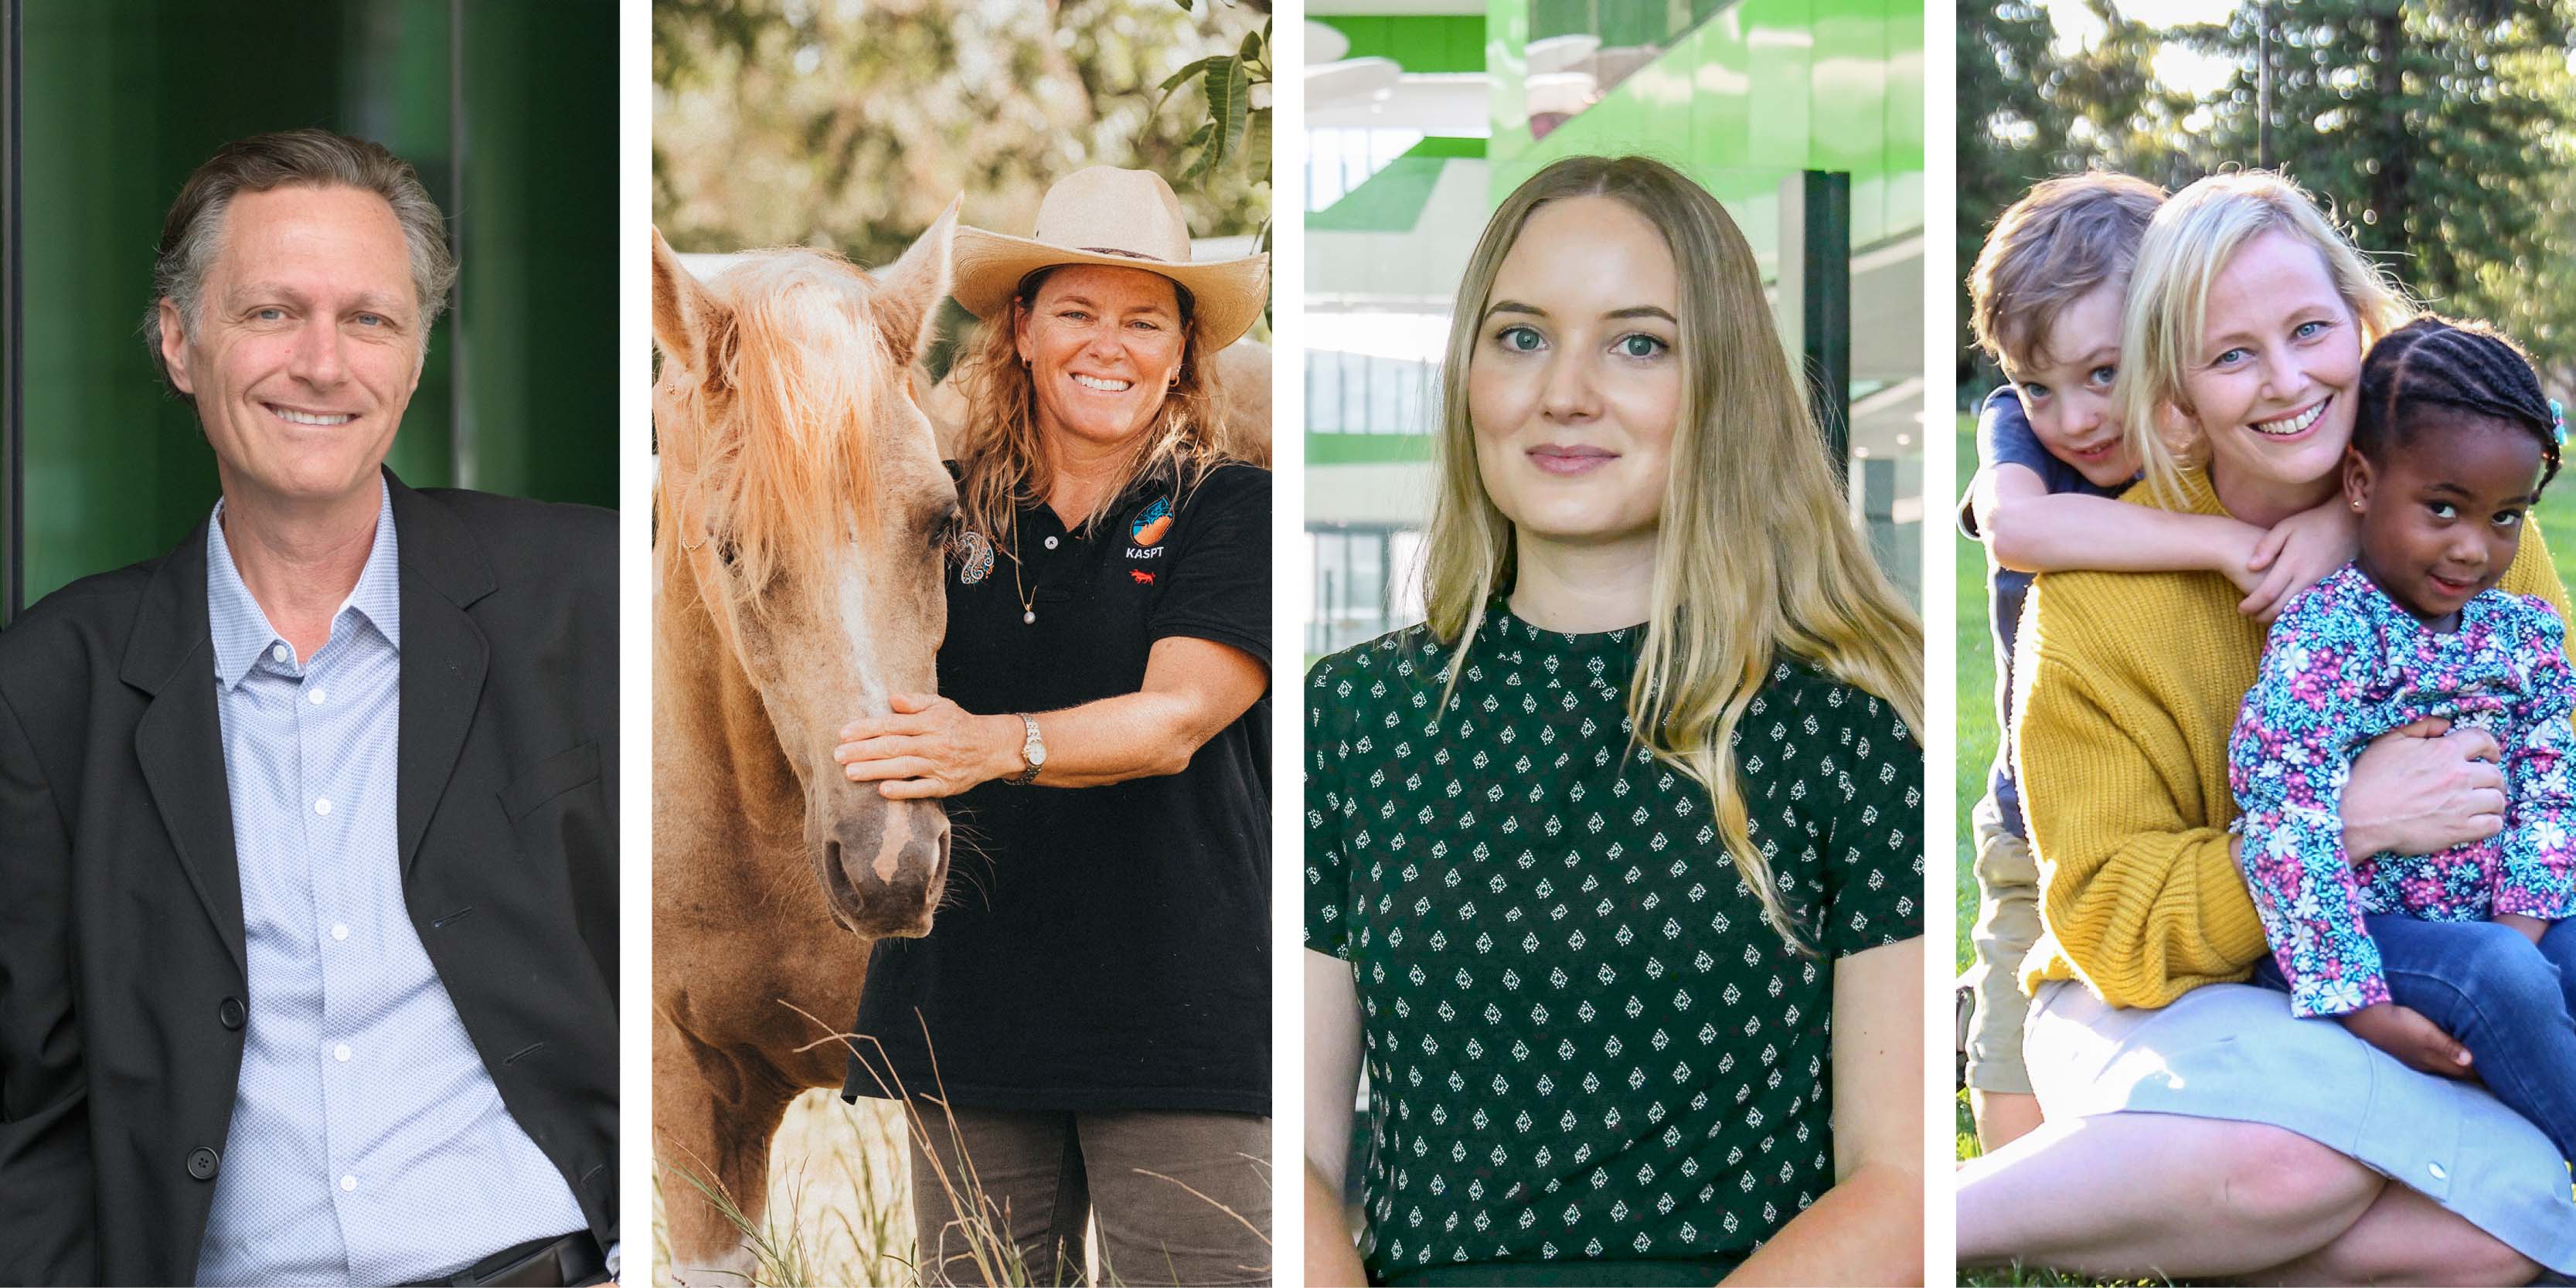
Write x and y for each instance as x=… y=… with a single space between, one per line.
x=2126 y=686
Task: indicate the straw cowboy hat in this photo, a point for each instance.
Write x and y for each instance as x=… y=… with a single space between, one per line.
x=1122 y=218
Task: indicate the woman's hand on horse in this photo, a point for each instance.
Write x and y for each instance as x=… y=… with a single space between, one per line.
x=2422 y=789
x=929 y=747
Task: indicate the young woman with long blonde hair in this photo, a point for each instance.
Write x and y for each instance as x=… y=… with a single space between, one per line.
x=1614 y=865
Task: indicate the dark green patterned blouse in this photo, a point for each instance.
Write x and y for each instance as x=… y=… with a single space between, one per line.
x=1582 y=1038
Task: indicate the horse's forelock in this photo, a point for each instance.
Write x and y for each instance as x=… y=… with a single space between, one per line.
x=808 y=374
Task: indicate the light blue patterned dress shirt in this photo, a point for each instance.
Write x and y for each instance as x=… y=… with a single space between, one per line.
x=368 y=1144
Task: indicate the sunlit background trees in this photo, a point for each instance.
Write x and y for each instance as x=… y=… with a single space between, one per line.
x=852 y=123
x=2441 y=131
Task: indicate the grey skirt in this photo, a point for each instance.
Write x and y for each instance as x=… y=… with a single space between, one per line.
x=2234 y=1052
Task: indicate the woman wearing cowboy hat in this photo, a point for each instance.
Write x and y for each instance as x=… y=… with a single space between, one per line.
x=1093 y=1005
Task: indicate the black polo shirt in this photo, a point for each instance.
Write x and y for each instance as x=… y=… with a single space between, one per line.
x=1100 y=947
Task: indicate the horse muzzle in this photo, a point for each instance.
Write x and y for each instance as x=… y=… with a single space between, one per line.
x=884 y=870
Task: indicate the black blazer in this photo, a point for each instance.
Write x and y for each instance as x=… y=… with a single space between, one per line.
x=122 y=983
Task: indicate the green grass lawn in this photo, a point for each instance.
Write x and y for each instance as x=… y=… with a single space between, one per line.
x=1976 y=670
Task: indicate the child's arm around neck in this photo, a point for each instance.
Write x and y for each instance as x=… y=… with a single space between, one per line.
x=2031 y=529
x=2037 y=512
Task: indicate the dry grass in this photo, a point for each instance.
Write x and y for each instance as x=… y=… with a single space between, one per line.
x=840 y=1205
x=840 y=1196
x=840 y=1201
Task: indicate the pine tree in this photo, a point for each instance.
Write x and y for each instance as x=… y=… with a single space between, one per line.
x=2005 y=143
x=2029 y=110
x=2438 y=130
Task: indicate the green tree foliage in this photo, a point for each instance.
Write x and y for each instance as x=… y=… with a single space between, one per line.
x=2028 y=110
x=2440 y=131
x=851 y=124
x=2009 y=133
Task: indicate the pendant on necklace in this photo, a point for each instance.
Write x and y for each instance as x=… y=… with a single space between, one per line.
x=1030 y=617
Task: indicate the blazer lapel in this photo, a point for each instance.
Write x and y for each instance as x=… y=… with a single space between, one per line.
x=179 y=741
x=444 y=657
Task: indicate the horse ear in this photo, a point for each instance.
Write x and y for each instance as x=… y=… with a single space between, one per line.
x=686 y=320
x=906 y=304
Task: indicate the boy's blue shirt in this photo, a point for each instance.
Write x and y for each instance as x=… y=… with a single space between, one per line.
x=2004 y=437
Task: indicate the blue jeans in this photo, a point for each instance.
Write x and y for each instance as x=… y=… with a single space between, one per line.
x=2511 y=1004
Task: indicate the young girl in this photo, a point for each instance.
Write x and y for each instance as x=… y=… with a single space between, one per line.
x=2461 y=963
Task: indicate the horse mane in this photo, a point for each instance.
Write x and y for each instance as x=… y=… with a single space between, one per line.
x=806 y=366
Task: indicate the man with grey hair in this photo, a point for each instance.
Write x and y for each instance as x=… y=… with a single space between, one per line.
x=308 y=912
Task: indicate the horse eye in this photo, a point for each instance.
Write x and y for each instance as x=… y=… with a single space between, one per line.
x=945 y=529
x=725 y=552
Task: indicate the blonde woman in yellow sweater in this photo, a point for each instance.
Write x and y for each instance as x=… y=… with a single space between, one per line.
x=2194 y=1128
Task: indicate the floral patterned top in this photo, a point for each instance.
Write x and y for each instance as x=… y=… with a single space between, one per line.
x=2344 y=665
x=1582 y=1040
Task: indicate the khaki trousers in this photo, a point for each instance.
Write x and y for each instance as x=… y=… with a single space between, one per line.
x=2007 y=926
x=1039 y=1176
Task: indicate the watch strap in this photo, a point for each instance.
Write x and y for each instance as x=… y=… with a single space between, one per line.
x=1032 y=750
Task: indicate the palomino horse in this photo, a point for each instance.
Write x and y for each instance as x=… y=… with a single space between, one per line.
x=799 y=528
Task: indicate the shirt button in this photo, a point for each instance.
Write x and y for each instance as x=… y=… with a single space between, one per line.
x=348 y=1183
x=202 y=1163
x=322 y=805
x=316 y=697
x=341 y=1053
x=280 y=652
x=339 y=932
x=2436 y=1170
x=1050 y=543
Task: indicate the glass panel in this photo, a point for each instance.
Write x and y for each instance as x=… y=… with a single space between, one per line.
x=541 y=251
x=1352 y=566
x=1578 y=49
x=1366 y=596
x=1323 y=387
x=1355 y=379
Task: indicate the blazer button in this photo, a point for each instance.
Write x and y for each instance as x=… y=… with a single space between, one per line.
x=230 y=1012
x=202 y=1163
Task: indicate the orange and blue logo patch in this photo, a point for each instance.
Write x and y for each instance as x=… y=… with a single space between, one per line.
x=1152 y=523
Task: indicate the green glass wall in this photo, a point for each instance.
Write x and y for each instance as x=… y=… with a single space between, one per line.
x=120 y=99
x=1757 y=91
x=1417 y=42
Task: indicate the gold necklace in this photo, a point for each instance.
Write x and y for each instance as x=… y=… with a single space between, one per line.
x=1028 y=602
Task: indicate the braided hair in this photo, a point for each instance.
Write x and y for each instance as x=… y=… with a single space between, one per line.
x=2428 y=373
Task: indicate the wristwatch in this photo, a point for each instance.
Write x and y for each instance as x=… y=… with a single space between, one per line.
x=1033 y=751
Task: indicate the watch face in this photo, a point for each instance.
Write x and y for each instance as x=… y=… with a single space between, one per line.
x=1037 y=752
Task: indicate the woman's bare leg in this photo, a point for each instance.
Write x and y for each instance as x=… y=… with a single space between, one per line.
x=2407 y=1238
x=2132 y=1194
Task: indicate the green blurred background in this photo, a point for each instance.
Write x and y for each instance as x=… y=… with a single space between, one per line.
x=508 y=109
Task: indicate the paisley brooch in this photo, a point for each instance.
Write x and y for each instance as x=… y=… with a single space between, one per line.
x=974 y=556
